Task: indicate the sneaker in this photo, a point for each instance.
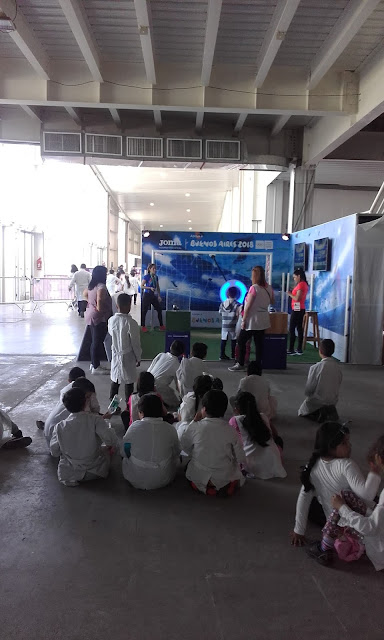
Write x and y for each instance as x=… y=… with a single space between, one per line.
x=40 y=424
x=99 y=371
x=69 y=483
x=17 y=443
x=144 y=329
x=298 y=353
x=224 y=357
x=291 y=353
x=106 y=366
x=323 y=557
x=236 y=367
x=162 y=328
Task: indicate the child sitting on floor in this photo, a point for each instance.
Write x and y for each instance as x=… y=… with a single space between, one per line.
x=330 y=470
x=151 y=458
x=259 y=387
x=163 y=368
x=323 y=385
x=370 y=525
x=11 y=437
x=215 y=449
x=75 y=372
x=229 y=311
x=263 y=459
x=145 y=385
x=77 y=441
x=191 y=367
x=192 y=402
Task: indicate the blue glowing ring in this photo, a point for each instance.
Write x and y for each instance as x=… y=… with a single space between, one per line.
x=233 y=283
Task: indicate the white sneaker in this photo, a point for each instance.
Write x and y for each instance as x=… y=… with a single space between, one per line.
x=99 y=371
x=236 y=367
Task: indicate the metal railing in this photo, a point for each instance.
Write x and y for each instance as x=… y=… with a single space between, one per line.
x=37 y=291
x=15 y=290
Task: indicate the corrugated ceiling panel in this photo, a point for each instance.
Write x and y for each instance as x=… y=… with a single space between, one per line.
x=309 y=28
x=179 y=29
x=8 y=49
x=242 y=29
x=367 y=41
x=114 y=26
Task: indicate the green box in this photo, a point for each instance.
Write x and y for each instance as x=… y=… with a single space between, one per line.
x=178 y=320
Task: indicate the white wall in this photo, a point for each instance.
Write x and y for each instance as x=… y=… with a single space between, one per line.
x=329 y=204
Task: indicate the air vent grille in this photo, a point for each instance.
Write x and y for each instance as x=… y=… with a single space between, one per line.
x=222 y=150
x=56 y=142
x=101 y=145
x=145 y=147
x=184 y=149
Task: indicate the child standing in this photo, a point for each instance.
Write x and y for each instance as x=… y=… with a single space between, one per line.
x=126 y=348
x=215 y=449
x=263 y=458
x=191 y=367
x=229 y=311
x=322 y=388
x=163 y=368
x=77 y=441
x=330 y=470
x=154 y=449
x=371 y=525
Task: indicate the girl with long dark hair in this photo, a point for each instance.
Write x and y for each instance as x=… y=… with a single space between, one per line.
x=263 y=458
x=97 y=314
x=298 y=295
x=192 y=402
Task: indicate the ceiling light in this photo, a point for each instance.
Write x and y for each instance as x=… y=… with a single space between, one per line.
x=151 y=204
x=188 y=211
x=190 y=228
x=145 y=234
x=187 y=195
x=161 y=225
x=286 y=236
x=189 y=220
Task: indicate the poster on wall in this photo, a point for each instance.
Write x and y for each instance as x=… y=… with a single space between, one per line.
x=201 y=263
x=321 y=254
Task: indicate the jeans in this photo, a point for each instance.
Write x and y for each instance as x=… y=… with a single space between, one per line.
x=81 y=307
x=115 y=390
x=134 y=298
x=98 y=333
x=296 y=322
x=244 y=336
x=149 y=299
x=224 y=344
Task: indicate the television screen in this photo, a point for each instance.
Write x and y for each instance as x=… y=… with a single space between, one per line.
x=321 y=255
x=301 y=256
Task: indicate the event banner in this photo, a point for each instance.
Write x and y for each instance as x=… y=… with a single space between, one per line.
x=198 y=265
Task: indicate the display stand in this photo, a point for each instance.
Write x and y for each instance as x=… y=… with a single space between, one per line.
x=275 y=342
x=178 y=327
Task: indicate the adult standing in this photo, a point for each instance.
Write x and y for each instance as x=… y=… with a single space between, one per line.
x=134 y=283
x=112 y=282
x=80 y=280
x=298 y=295
x=255 y=317
x=98 y=312
x=151 y=296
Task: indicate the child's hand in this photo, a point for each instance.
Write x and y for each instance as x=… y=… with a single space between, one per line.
x=337 y=501
x=138 y=364
x=374 y=465
x=107 y=416
x=297 y=540
x=198 y=416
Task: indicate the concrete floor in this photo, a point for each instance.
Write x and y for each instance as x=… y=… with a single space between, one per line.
x=104 y=560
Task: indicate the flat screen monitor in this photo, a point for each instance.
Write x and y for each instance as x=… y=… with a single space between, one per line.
x=301 y=256
x=322 y=254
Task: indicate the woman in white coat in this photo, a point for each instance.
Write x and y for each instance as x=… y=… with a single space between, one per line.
x=134 y=280
x=126 y=347
x=80 y=281
x=150 y=447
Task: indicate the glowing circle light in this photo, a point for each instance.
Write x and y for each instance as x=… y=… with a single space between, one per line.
x=233 y=283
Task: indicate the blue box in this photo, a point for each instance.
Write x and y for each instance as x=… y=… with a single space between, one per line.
x=275 y=351
x=184 y=336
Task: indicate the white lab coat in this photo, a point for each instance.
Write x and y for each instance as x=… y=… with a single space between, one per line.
x=322 y=388
x=163 y=368
x=259 y=387
x=187 y=412
x=80 y=280
x=371 y=526
x=112 y=283
x=134 y=283
x=216 y=453
x=188 y=371
x=154 y=455
x=59 y=412
x=77 y=441
x=262 y=462
x=130 y=291
x=6 y=428
x=126 y=348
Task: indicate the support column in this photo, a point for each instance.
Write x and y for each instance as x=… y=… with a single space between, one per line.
x=303 y=200
x=113 y=229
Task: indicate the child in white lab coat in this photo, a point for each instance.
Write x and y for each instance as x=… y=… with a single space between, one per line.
x=150 y=447
x=259 y=387
x=145 y=385
x=215 y=449
x=11 y=437
x=370 y=525
x=77 y=441
x=192 y=403
x=126 y=347
x=163 y=368
x=74 y=374
x=229 y=311
x=191 y=367
x=323 y=385
x=263 y=459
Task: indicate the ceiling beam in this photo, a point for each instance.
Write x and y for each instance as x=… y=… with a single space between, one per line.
x=33 y=112
x=74 y=115
x=199 y=120
x=115 y=117
x=143 y=22
x=279 y=124
x=240 y=122
x=78 y=23
x=349 y=23
x=26 y=41
x=211 y=29
x=157 y=119
x=281 y=19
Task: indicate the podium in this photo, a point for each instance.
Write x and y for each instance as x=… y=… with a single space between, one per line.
x=178 y=327
x=275 y=342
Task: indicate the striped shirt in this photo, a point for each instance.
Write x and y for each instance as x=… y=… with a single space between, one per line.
x=228 y=311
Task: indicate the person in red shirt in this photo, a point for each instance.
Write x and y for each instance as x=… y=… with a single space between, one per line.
x=298 y=295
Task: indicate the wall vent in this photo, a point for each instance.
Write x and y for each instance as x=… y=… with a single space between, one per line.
x=59 y=142
x=102 y=145
x=144 y=147
x=222 y=149
x=185 y=149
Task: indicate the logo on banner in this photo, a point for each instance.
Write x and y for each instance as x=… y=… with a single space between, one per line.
x=176 y=242
x=210 y=319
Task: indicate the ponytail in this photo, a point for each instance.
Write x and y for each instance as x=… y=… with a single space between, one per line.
x=305 y=475
x=253 y=423
x=328 y=437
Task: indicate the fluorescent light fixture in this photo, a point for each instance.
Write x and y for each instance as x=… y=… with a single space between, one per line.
x=190 y=228
x=145 y=234
x=189 y=220
x=151 y=204
x=161 y=225
x=188 y=211
x=187 y=195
